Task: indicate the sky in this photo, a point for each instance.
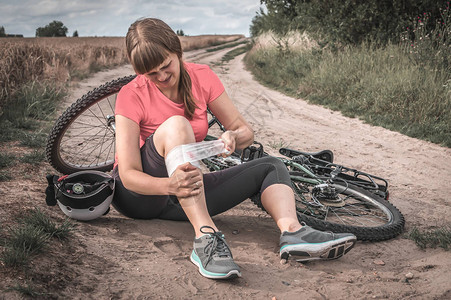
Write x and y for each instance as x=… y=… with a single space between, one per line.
x=113 y=17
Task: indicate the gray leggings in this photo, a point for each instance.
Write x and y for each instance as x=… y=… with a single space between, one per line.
x=223 y=189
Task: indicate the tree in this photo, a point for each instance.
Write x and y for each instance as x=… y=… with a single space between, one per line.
x=75 y=34
x=349 y=21
x=2 y=32
x=55 y=28
x=180 y=32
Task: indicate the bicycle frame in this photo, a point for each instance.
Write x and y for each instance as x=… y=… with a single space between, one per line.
x=302 y=161
x=372 y=183
x=313 y=179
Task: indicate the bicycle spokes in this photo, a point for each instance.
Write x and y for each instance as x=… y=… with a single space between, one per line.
x=338 y=204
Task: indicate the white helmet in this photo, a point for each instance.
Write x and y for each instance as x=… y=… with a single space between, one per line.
x=84 y=195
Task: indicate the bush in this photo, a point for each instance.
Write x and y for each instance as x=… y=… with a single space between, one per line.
x=348 y=21
x=427 y=43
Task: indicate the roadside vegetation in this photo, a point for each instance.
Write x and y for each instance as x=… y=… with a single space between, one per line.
x=395 y=72
x=439 y=237
x=228 y=45
x=235 y=52
x=31 y=235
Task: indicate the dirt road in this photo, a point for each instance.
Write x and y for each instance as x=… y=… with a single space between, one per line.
x=119 y=258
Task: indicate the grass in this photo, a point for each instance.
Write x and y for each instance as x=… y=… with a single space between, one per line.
x=6 y=160
x=35 y=139
x=23 y=242
x=34 y=158
x=30 y=237
x=440 y=237
x=4 y=176
x=37 y=60
x=279 y=144
x=235 y=52
x=385 y=86
x=28 y=111
x=225 y=46
x=34 y=101
x=26 y=290
x=38 y=219
x=25 y=118
x=204 y=41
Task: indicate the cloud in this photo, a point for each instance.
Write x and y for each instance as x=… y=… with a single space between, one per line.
x=113 y=17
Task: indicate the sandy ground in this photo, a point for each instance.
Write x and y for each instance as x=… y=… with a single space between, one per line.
x=114 y=257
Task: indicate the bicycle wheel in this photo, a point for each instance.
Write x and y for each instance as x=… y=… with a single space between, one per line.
x=83 y=136
x=355 y=210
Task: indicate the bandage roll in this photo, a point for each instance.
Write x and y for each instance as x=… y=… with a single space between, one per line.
x=192 y=153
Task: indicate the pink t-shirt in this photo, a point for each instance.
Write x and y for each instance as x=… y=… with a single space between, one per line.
x=141 y=101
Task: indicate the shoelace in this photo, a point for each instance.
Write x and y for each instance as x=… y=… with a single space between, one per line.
x=216 y=245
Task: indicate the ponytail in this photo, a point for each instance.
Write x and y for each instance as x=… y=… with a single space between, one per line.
x=186 y=92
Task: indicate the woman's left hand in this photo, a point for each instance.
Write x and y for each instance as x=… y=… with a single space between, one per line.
x=229 y=139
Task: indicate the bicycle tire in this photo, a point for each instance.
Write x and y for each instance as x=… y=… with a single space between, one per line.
x=391 y=228
x=82 y=137
x=388 y=229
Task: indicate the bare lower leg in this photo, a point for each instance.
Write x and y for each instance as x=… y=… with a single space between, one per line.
x=278 y=200
x=195 y=209
x=173 y=132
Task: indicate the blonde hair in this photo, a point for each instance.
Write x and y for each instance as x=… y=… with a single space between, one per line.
x=149 y=42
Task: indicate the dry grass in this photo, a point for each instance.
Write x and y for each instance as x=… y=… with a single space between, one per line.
x=204 y=41
x=292 y=41
x=63 y=59
x=58 y=59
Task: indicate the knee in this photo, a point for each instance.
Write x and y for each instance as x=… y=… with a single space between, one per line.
x=177 y=123
x=276 y=162
x=174 y=131
x=176 y=127
x=279 y=168
x=277 y=171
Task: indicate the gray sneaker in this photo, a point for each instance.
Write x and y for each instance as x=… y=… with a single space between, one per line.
x=212 y=256
x=310 y=244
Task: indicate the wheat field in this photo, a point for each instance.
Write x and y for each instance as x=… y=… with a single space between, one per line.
x=63 y=59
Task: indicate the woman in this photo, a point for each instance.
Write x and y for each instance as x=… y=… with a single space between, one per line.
x=166 y=106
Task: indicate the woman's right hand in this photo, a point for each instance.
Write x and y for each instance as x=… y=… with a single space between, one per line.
x=186 y=181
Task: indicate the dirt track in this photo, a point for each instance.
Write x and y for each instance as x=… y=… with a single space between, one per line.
x=118 y=258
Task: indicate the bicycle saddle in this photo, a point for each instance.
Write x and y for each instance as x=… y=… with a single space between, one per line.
x=326 y=155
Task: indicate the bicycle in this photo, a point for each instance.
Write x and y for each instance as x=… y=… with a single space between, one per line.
x=328 y=196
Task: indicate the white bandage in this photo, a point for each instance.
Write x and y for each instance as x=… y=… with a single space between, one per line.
x=193 y=153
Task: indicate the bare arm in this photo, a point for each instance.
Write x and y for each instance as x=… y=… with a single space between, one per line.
x=129 y=158
x=239 y=133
